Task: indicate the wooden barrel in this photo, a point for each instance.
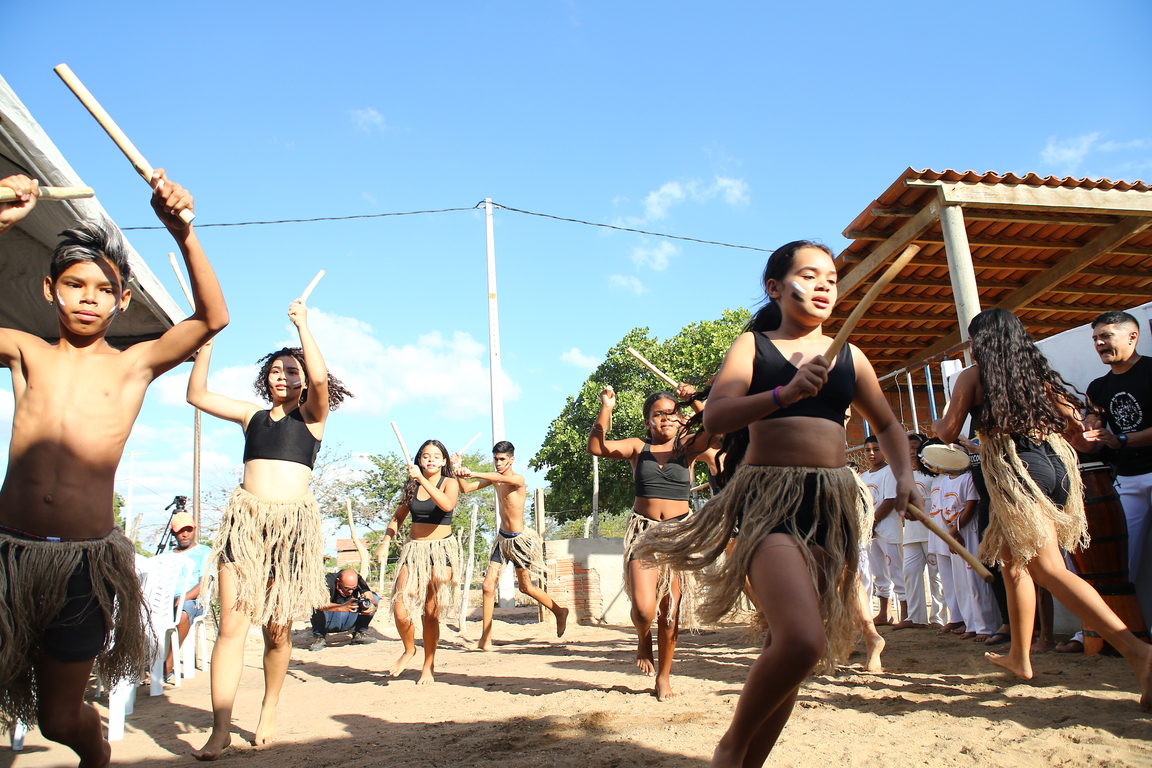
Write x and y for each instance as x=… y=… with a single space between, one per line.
x=1104 y=564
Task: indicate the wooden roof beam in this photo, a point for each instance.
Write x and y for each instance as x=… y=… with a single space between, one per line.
x=913 y=228
x=978 y=214
x=976 y=241
x=1025 y=197
x=1092 y=290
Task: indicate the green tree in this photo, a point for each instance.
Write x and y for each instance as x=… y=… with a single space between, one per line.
x=693 y=355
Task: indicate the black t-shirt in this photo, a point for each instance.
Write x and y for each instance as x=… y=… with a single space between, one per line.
x=1126 y=400
x=333 y=579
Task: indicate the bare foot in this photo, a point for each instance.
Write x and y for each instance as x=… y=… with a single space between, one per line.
x=1022 y=671
x=484 y=644
x=664 y=689
x=908 y=624
x=1070 y=646
x=104 y=758
x=947 y=628
x=874 y=646
x=645 y=661
x=980 y=638
x=266 y=727
x=882 y=621
x=426 y=678
x=561 y=621
x=960 y=629
x=401 y=663
x=968 y=635
x=213 y=747
x=1143 y=670
x=1043 y=645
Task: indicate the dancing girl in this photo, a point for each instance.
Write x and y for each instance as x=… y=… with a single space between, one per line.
x=269 y=551
x=799 y=507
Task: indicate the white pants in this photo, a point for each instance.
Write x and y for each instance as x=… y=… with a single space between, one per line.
x=916 y=557
x=1136 y=497
x=944 y=566
x=887 y=563
x=977 y=603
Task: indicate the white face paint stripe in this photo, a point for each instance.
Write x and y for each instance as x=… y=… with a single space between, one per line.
x=59 y=298
x=799 y=289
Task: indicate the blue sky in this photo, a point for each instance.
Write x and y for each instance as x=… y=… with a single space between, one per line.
x=748 y=123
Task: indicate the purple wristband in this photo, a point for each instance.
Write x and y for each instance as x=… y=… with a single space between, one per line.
x=776 y=399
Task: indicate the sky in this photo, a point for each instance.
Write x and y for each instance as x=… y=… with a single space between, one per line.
x=747 y=123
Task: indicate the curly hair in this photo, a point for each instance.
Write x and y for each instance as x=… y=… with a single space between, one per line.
x=1022 y=394
x=408 y=492
x=336 y=389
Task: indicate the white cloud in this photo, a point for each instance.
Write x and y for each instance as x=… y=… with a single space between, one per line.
x=234 y=381
x=734 y=192
x=577 y=358
x=1068 y=153
x=656 y=258
x=368 y=120
x=628 y=283
x=1119 y=146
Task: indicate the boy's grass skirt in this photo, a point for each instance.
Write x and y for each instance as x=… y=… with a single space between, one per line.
x=33 y=585
x=432 y=566
x=527 y=549
x=276 y=551
x=1019 y=512
x=763 y=500
x=686 y=611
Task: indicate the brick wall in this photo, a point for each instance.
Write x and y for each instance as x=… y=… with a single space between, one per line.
x=578 y=588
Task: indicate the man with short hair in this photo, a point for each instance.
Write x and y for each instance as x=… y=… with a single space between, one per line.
x=346 y=611
x=1122 y=426
x=184 y=531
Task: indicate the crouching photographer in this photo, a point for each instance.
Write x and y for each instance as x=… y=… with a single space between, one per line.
x=352 y=607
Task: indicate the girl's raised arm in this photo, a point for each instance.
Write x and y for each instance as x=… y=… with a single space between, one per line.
x=211 y=403
x=315 y=408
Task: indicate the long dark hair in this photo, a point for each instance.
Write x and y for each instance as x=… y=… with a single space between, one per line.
x=1022 y=394
x=920 y=441
x=336 y=390
x=767 y=318
x=410 y=487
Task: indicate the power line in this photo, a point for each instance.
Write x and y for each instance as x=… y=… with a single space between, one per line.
x=478 y=205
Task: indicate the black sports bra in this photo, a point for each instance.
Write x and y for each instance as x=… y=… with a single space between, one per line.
x=426 y=511
x=672 y=481
x=771 y=369
x=285 y=440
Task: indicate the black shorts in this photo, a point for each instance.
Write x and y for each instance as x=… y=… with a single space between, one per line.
x=802 y=519
x=497 y=556
x=78 y=633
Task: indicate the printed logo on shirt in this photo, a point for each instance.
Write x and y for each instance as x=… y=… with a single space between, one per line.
x=1126 y=412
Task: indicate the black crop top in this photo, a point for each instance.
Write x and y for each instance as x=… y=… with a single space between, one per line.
x=771 y=369
x=426 y=511
x=285 y=440
x=672 y=481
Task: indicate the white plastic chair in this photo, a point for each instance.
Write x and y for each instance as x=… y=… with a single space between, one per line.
x=197 y=635
x=166 y=573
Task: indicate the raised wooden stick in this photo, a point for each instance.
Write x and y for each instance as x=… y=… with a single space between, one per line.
x=469 y=443
x=308 y=291
x=403 y=448
x=51 y=193
x=180 y=279
x=109 y=125
x=649 y=366
x=696 y=488
x=954 y=545
x=881 y=283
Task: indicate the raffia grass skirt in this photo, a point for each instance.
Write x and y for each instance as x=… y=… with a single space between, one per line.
x=763 y=500
x=526 y=548
x=432 y=566
x=33 y=586
x=1019 y=513
x=686 y=611
x=276 y=550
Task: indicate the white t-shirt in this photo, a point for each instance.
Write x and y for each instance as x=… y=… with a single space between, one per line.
x=882 y=485
x=914 y=530
x=953 y=494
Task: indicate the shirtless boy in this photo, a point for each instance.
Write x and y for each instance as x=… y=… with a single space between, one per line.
x=68 y=574
x=514 y=544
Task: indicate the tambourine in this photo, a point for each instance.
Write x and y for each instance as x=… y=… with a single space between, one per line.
x=945 y=458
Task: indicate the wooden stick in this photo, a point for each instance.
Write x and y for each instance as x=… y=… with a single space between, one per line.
x=308 y=291
x=881 y=283
x=649 y=366
x=180 y=279
x=403 y=448
x=109 y=125
x=469 y=443
x=954 y=545
x=696 y=488
x=51 y=193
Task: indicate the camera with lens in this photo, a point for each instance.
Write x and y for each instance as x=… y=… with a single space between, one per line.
x=364 y=602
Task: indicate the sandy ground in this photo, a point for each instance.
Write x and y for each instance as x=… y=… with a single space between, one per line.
x=579 y=702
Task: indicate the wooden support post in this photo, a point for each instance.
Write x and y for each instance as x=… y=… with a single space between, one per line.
x=595 y=497
x=365 y=560
x=468 y=569
x=538 y=519
x=960 y=270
